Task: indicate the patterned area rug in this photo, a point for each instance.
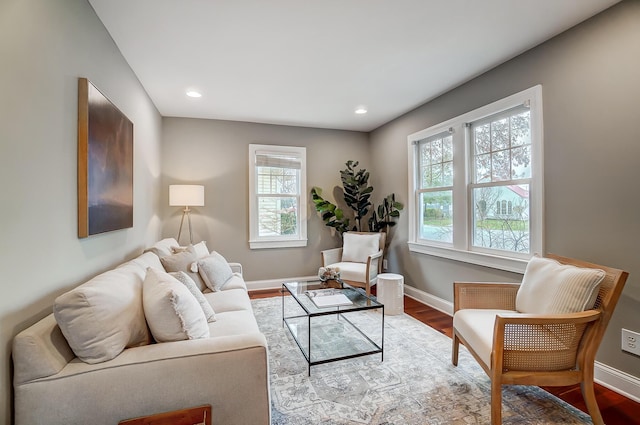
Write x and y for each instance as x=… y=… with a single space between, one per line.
x=415 y=384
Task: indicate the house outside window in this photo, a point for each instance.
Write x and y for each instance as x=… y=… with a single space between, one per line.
x=277 y=196
x=476 y=184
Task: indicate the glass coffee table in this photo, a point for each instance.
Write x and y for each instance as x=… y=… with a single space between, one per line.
x=335 y=332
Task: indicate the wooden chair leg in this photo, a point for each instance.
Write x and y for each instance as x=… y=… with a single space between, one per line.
x=496 y=402
x=589 y=394
x=454 y=349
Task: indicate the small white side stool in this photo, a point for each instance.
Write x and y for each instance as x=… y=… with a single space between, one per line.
x=391 y=293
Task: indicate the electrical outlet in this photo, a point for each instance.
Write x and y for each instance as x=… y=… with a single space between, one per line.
x=631 y=342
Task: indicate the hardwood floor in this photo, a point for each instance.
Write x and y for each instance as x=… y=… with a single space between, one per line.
x=615 y=408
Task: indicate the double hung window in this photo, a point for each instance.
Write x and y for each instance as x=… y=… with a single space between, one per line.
x=277 y=200
x=435 y=191
x=476 y=184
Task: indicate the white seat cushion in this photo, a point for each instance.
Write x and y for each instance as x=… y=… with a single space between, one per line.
x=229 y=300
x=476 y=327
x=234 y=323
x=351 y=271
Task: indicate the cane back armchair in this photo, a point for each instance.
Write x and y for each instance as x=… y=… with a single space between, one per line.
x=533 y=349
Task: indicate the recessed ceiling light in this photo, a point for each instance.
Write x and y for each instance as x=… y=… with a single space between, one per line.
x=360 y=110
x=193 y=93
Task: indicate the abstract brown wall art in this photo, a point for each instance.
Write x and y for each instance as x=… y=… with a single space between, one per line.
x=105 y=164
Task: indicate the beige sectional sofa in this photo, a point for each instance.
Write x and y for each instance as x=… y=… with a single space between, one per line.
x=95 y=360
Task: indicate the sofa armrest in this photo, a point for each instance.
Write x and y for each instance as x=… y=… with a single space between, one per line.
x=236 y=267
x=40 y=351
x=331 y=256
x=157 y=378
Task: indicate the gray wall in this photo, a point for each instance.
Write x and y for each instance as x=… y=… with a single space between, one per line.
x=45 y=46
x=591 y=88
x=216 y=154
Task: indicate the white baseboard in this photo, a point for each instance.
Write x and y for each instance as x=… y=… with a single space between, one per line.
x=618 y=381
x=430 y=300
x=614 y=379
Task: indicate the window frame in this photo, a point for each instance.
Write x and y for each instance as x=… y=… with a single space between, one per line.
x=420 y=187
x=299 y=239
x=462 y=248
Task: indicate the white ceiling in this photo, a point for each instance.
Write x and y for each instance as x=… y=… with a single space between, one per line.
x=311 y=63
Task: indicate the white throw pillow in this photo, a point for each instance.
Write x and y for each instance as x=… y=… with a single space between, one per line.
x=103 y=316
x=200 y=249
x=357 y=248
x=549 y=287
x=191 y=286
x=172 y=312
x=163 y=248
x=215 y=271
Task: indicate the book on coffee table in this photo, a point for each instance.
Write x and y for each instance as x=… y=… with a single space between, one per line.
x=328 y=298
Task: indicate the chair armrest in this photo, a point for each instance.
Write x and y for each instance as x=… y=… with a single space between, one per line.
x=492 y=295
x=529 y=342
x=236 y=267
x=331 y=256
x=374 y=264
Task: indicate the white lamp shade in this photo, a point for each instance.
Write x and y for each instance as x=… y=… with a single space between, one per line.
x=188 y=195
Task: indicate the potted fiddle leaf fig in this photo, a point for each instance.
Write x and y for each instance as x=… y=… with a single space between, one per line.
x=357 y=194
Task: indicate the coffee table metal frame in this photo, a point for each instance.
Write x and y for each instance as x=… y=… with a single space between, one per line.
x=360 y=303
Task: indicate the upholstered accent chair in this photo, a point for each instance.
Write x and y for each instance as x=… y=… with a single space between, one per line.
x=359 y=259
x=544 y=331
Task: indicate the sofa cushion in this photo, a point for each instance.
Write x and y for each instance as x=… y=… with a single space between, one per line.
x=164 y=247
x=234 y=323
x=185 y=261
x=229 y=300
x=215 y=271
x=143 y=262
x=184 y=278
x=173 y=313
x=549 y=287
x=103 y=316
x=357 y=247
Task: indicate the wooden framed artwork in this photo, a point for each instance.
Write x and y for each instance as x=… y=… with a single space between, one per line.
x=105 y=164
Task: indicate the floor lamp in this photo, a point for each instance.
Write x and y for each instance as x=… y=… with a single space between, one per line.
x=187 y=195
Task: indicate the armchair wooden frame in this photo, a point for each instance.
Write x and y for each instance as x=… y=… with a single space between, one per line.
x=373 y=265
x=517 y=358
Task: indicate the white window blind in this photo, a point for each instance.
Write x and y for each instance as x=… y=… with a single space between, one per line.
x=277 y=196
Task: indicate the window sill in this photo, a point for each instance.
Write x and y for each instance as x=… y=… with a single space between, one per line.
x=515 y=265
x=296 y=243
